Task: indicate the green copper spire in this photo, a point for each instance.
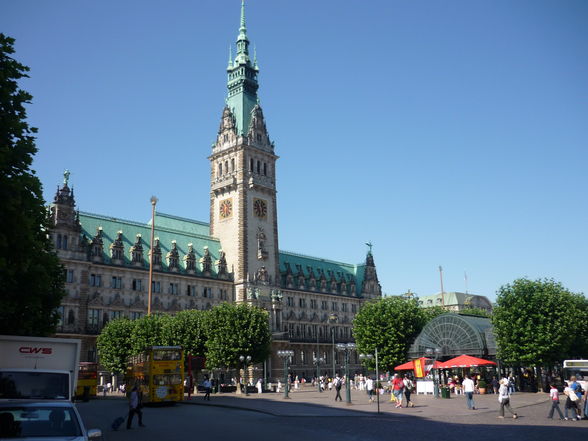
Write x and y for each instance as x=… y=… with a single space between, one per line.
x=243 y=29
x=242 y=40
x=242 y=80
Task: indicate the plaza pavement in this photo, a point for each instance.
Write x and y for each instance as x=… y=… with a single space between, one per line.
x=532 y=408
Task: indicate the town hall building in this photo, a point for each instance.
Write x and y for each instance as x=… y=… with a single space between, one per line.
x=235 y=257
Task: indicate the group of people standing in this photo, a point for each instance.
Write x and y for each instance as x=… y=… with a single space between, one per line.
x=573 y=401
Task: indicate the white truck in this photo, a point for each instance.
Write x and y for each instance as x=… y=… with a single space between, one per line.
x=38 y=368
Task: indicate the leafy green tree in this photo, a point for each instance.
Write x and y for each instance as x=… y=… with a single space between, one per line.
x=151 y=331
x=115 y=345
x=533 y=321
x=390 y=325
x=187 y=329
x=579 y=345
x=31 y=277
x=235 y=330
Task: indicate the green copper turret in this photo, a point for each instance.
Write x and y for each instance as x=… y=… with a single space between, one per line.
x=242 y=80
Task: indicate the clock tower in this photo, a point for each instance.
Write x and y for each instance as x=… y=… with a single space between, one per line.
x=243 y=208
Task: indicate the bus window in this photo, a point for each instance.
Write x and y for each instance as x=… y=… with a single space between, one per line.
x=577 y=368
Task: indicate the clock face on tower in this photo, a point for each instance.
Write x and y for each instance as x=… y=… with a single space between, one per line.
x=226 y=208
x=260 y=207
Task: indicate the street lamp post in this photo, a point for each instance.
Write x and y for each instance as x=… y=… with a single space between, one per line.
x=346 y=348
x=150 y=288
x=245 y=360
x=317 y=361
x=285 y=356
x=435 y=352
x=369 y=357
x=333 y=319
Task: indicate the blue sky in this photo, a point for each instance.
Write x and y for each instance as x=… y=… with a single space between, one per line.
x=448 y=133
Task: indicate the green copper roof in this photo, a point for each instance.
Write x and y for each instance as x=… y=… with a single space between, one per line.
x=183 y=231
x=183 y=224
x=242 y=80
x=318 y=266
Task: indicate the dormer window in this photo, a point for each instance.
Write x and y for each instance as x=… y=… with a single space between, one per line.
x=117 y=248
x=173 y=257
x=137 y=251
x=190 y=258
x=156 y=252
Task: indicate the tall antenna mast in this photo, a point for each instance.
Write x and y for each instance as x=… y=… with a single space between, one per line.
x=465 y=277
x=442 y=291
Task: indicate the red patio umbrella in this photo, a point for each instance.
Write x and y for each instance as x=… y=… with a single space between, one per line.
x=466 y=361
x=409 y=365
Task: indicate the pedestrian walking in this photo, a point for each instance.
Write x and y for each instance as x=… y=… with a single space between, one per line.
x=397 y=388
x=495 y=384
x=135 y=406
x=408 y=387
x=511 y=384
x=576 y=389
x=207 y=387
x=504 y=399
x=369 y=385
x=337 y=382
x=259 y=386
x=468 y=390
x=570 y=405
x=554 y=395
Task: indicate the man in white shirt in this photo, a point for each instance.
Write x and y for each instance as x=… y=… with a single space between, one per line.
x=370 y=388
x=468 y=390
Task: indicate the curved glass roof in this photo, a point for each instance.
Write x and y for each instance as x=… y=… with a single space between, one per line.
x=455 y=334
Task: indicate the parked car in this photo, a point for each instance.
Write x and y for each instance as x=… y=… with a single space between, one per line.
x=59 y=420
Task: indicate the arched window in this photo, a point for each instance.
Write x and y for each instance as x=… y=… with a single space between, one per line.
x=251 y=165
x=71 y=317
x=226 y=166
x=58 y=243
x=220 y=169
x=258 y=167
x=232 y=164
x=264 y=169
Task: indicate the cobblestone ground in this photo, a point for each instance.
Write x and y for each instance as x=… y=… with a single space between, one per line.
x=309 y=416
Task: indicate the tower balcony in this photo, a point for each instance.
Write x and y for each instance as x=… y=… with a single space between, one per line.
x=224 y=183
x=255 y=180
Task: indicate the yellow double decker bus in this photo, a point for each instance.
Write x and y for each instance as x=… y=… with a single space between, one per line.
x=159 y=373
x=87 y=380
